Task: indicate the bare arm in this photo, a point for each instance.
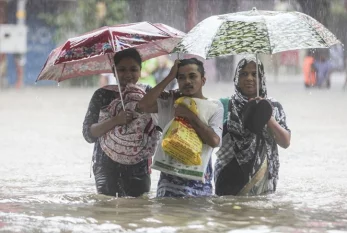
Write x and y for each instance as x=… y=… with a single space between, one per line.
x=281 y=135
x=149 y=102
x=206 y=133
x=100 y=128
x=92 y=128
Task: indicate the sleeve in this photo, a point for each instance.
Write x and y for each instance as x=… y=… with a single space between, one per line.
x=280 y=115
x=92 y=116
x=165 y=109
x=216 y=121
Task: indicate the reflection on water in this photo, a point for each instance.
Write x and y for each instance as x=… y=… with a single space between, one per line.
x=45 y=183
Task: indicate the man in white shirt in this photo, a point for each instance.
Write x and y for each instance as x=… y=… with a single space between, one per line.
x=190 y=76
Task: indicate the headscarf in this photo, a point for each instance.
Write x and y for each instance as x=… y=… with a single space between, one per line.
x=262 y=87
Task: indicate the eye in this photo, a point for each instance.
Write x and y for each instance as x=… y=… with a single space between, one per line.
x=134 y=70
x=120 y=70
x=243 y=74
x=192 y=76
x=180 y=77
x=254 y=74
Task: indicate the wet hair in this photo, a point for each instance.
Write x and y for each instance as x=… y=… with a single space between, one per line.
x=132 y=53
x=193 y=61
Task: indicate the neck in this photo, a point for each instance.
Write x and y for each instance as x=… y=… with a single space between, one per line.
x=198 y=95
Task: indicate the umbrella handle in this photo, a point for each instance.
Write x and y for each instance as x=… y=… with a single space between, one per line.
x=257 y=81
x=120 y=91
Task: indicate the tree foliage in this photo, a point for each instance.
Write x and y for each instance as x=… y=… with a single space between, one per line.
x=83 y=16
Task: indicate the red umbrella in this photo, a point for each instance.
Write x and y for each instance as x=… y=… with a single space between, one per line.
x=92 y=52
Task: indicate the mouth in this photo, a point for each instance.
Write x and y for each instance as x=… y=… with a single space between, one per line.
x=128 y=80
x=188 y=88
x=249 y=85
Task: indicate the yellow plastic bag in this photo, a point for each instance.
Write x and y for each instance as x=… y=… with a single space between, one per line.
x=181 y=141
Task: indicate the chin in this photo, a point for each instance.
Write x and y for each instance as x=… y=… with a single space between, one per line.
x=188 y=93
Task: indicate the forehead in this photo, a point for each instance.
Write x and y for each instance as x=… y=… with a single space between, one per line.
x=250 y=66
x=127 y=61
x=190 y=68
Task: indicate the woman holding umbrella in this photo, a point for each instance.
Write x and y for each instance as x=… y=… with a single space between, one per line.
x=247 y=162
x=124 y=140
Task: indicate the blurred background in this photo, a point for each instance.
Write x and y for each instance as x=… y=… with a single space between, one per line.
x=30 y=29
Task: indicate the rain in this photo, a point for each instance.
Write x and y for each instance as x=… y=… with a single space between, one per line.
x=47 y=182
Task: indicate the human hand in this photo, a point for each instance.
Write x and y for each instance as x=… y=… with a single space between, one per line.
x=125 y=117
x=184 y=112
x=265 y=105
x=174 y=69
x=255 y=98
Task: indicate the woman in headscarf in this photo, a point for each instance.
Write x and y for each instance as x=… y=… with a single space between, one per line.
x=247 y=162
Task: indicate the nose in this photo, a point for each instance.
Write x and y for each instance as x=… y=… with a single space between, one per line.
x=187 y=81
x=250 y=77
x=127 y=73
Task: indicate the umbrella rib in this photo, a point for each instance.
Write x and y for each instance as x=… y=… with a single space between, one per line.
x=62 y=71
x=267 y=32
x=112 y=42
x=315 y=31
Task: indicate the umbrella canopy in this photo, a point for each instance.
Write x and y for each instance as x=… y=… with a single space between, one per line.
x=92 y=52
x=253 y=32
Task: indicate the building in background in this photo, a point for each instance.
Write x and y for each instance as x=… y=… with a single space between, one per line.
x=23 y=65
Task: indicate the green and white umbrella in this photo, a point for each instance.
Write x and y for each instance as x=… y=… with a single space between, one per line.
x=251 y=32
x=255 y=32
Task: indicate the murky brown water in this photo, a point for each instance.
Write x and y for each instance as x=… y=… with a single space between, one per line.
x=45 y=184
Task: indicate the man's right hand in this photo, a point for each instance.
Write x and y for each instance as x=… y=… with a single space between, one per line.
x=174 y=70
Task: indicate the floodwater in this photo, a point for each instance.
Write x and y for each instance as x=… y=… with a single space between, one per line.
x=45 y=183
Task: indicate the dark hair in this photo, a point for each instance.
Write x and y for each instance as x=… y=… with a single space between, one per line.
x=194 y=61
x=132 y=53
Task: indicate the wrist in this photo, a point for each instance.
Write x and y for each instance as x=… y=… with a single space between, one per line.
x=192 y=118
x=271 y=122
x=115 y=120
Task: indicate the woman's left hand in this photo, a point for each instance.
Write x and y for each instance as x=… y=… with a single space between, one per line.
x=260 y=98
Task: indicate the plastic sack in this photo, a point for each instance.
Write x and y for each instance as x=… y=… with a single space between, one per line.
x=181 y=141
x=164 y=162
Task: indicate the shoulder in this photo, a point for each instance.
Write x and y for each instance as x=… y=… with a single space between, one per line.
x=215 y=106
x=102 y=91
x=219 y=103
x=104 y=94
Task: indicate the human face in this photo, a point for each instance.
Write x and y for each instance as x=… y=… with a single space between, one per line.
x=190 y=81
x=128 y=71
x=248 y=80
